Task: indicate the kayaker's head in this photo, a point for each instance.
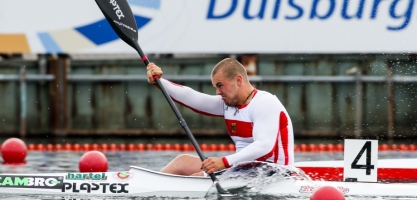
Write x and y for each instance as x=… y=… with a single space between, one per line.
x=230 y=79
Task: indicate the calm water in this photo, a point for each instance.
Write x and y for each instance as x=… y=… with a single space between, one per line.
x=67 y=161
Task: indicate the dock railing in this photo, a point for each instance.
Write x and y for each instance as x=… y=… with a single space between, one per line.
x=61 y=77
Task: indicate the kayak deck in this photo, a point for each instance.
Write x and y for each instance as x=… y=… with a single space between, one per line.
x=141 y=182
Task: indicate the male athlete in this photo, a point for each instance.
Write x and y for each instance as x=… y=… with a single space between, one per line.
x=256 y=120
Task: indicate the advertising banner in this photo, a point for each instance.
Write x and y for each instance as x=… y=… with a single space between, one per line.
x=213 y=26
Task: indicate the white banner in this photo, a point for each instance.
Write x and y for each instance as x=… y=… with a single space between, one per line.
x=213 y=26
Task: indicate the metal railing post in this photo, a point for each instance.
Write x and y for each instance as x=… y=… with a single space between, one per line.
x=42 y=65
x=358 y=104
x=390 y=99
x=23 y=102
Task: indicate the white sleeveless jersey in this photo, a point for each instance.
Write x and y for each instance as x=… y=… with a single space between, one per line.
x=262 y=129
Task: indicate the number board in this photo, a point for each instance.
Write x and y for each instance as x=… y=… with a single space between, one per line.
x=361 y=157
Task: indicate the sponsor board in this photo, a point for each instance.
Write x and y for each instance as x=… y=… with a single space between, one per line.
x=44 y=182
x=95 y=187
x=189 y=26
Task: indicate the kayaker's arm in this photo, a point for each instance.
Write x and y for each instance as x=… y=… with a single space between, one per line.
x=211 y=105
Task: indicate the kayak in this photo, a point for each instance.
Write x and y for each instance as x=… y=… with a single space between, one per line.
x=141 y=182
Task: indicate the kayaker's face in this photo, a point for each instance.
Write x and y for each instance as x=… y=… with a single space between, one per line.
x=226 y=88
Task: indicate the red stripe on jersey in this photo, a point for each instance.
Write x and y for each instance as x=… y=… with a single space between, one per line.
x=276 y=149
x=197 y=111
x=239 y=128
x=176 y=84
x=193 y=109
x=225 y=162
x=283 y=133
x=283 y=126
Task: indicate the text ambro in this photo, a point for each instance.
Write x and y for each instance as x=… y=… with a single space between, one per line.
x=47 y=182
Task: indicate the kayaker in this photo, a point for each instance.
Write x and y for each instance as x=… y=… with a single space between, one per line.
x=256 y=120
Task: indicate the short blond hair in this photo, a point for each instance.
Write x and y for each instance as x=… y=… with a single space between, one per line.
x=230 y=67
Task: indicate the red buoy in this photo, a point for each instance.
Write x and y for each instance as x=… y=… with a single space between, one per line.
x=327 y=193
x=13 y=151
x=93 y=161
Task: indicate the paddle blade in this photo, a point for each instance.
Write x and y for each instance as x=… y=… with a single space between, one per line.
x=121 y=19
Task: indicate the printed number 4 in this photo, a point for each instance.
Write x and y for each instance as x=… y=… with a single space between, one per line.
x=366 y=147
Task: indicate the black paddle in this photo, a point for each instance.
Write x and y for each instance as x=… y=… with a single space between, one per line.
x=120 y=17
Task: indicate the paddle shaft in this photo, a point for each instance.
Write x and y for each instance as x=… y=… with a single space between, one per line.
x=181 y=120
